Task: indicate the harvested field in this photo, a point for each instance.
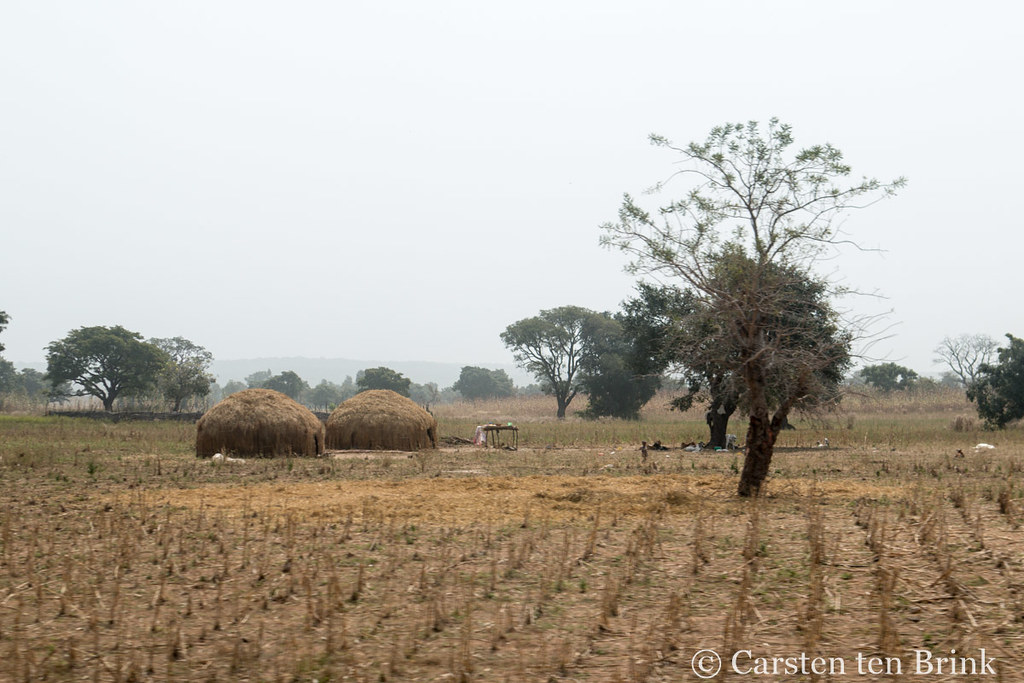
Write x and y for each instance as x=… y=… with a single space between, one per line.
x=123 y=557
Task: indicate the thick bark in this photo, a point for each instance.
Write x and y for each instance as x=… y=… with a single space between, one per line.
x=760 y=437
x=760 y=447
x=719 y=426
x=108 y=403
x=563 y=402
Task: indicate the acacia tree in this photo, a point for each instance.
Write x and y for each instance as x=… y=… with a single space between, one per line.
x=105 y=362
x=185 y=374
x=751 y=221
x=551 y=345
x=964 y=355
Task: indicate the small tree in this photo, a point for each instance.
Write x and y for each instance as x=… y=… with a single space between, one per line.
x=257 y=379
x=288 y=383
x=964 y=355
x=384 y=378
x=105 y=362
x=551 y=346
x=325 y=395
x=998 y=389
x=186 y=372
x=233 y=386
x=889 y=377
x=424 y=394
x=476 y=383
x=751 y=224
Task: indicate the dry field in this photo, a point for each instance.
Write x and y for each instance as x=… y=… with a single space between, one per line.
x=124 y=558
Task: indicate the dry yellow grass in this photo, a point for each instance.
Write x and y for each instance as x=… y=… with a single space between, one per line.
x=123 y=557
x=501 y=500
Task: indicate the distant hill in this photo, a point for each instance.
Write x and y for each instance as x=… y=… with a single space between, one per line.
x=313 y=370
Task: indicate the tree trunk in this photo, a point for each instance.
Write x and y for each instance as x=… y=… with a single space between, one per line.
x=760 y=446
x=718 y=420
x=108 y=403
x=760 y=437
x=562 y=405
x=719 y=426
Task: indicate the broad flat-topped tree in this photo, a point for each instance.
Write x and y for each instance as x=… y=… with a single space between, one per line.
x=752 y=218
x=105 y=362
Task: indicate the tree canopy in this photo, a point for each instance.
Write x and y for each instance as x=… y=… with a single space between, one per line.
x=257 y=379
x=384 y=378
x=998 y=389
x=551 y=345
x=889 y=377
x=615 y=372
x=233 y=386
x=105 y=362
x=327 y=394
x=749 y=222
x=288 y=383
x=476 y=383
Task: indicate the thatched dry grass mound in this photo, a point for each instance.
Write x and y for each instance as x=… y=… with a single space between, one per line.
x=381 y=419
x=259 y=422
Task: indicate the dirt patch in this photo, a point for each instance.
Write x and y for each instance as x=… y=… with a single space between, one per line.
x=500 y=499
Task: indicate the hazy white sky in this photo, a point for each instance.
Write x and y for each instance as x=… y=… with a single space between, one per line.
x=405 y=179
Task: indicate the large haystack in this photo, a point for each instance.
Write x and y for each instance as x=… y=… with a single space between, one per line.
x=259 y=422
x=381 y=419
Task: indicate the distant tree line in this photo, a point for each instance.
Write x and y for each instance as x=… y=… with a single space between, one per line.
x=118 y=367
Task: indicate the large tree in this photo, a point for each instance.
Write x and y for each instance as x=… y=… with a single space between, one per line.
x=964 y=355
x=752 y=218
x=680 y=337
x=616 y=372
x=105 y=362
x=477 y=383
x=671 y=337
x=998 y=389
x=185 y=374
x=552 y=345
